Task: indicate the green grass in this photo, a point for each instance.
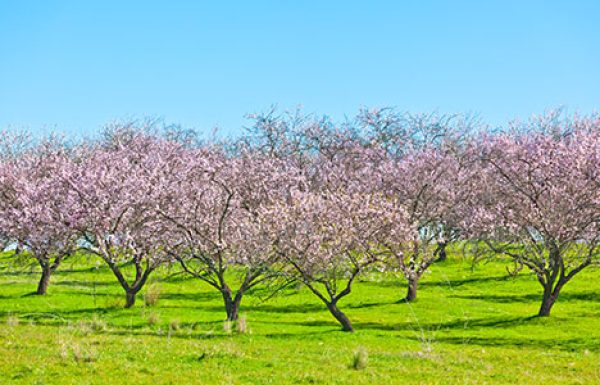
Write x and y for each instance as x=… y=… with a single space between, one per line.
x=469 y=326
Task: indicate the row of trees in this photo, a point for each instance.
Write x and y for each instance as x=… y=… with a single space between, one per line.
x=299 y=198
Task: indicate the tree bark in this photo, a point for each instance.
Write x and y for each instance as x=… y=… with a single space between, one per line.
x=44 y=280
x=547 y=304
x=141 y=276
x=130 y=298
x=411 y=294
x=232 y=304
x=549 y=298
x=341 y=317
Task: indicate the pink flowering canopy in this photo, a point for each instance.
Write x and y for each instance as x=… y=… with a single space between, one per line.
x=303 y=198
x=37 y=210
x=119 y=185
x=537 y=201
x=212 y=215
x=330 y=234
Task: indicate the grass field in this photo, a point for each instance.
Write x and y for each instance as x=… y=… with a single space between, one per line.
x=469 y=326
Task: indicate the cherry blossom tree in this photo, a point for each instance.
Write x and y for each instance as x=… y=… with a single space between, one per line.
x=120 y=186
x=427 y=183
x=329 y=238
x=401 y=134
x=37 y=209
x=418 y=176
x=537 y=201
x=215 y=216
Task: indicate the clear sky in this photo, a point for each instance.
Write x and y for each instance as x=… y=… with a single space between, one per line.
x=72 y=66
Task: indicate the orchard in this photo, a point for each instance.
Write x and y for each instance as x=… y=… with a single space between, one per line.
x=306 y=200
x=300 y=202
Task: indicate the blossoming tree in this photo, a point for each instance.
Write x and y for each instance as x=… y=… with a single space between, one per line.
x=330 y=238
x=425 y=183
x=119 y=186
x=37 y=210
x=537 y=201
x=214 y=214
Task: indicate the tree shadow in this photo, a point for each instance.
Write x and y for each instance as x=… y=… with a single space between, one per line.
x=189 y=331
x=88 y=284
x=588 y=296
x=368 y=305
x=496 y=298
x=263 y=308
x=198 y=296
x=298 y=308
x=572 y=344
x=456 y=324
x=401 y=282
x=18 y=273
x=464 y=281
x=88 y=294
x=63 y=314
x=314 y=323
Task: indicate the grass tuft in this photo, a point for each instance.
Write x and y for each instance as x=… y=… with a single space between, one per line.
x=153 y=318
x=78 y=352
x=227 y=326
x=241 y=325
x=174 y=324
x=12 y=320
x=152 y=295
x=360 y=358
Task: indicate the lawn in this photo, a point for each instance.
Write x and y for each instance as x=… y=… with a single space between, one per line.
x=470 y=325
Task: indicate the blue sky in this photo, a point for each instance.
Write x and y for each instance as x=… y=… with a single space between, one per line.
x=71 y=66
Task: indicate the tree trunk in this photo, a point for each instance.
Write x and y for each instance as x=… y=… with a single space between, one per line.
x=441 y=251
x=548 y=301
x=130 y=298
x=232 y=305
x=341 y=317
x=44 y=280
x=411 y=294
x=130 y=290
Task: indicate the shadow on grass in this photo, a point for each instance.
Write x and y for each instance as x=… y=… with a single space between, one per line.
x=368 y=305
x=205 y=330
x=570 y=344
x=194 y=297
x=67 y=315
x=401 y=283
x=473 y=325
x=297 y=308
x=457 y=324
x=12 y=273
x=527 y=298
x=87 y=284
x=209 y=333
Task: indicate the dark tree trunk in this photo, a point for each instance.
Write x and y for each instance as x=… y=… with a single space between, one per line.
x=341 y=317
x=48 y=268
x=44 y=280
x=130 y=298
x=441 y=252
x=141 y=276
x=411 y=294
x=548 y=300
x=232 y=304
